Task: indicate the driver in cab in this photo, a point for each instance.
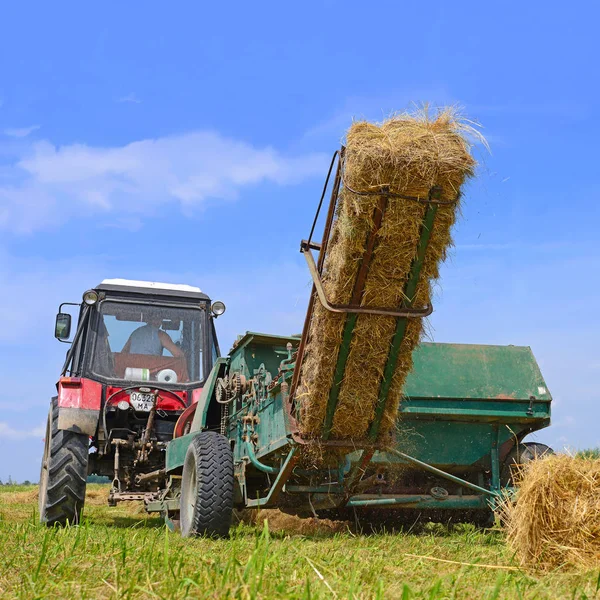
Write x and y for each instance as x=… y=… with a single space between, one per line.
x=151 y=339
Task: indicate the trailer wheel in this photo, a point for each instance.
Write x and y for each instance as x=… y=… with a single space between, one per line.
x=538 y=450
x=63 y=474
x=521 y=454
x=207 y=487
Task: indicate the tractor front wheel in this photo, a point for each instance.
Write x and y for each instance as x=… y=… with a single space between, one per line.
x=207 y=487
x=63 y=474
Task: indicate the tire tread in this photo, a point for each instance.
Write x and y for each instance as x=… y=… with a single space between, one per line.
x=213 y=461
x=67 y=474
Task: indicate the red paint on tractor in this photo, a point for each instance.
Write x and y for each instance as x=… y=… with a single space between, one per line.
x=78 y=392
x=186 y=418
x=196 y=395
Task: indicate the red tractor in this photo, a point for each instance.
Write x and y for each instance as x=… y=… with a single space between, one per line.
x=135 y=367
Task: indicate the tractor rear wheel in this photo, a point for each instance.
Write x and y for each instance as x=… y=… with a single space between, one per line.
x=63 y=474
x=207 y=487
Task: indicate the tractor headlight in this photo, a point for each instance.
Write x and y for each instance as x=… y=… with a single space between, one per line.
x=90 y=297
x=217 y=308
x=123 y=405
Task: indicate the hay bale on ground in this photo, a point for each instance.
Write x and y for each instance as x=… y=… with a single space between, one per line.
x=556 y=519
x=410 y=154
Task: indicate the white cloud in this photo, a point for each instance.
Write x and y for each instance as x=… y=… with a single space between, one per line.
x=55 y=182
x=10 y=433
x=131 y=98
x=21 y=132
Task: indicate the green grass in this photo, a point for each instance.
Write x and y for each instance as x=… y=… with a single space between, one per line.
x=123 y=553
x=590 y=454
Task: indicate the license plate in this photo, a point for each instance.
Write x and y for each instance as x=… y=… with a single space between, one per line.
x=141 y=402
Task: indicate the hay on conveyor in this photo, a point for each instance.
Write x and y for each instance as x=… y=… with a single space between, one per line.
x=410 y=153
x=556 y=519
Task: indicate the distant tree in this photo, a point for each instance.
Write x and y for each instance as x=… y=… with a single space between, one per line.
x=27 y=482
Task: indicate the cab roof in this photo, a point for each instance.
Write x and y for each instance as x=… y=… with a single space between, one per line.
x=152 y=288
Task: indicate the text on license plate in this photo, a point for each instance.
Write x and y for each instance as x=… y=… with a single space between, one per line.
x=140 y=401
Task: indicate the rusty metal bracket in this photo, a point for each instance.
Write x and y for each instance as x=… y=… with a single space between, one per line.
x=434 y=196
x=305 y=248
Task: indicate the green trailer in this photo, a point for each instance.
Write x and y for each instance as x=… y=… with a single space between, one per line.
x=465 y=411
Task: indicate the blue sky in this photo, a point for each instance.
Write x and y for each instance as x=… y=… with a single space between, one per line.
x=188 y=143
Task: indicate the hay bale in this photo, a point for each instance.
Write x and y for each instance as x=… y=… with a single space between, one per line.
x=556 y=519
x=410 y=153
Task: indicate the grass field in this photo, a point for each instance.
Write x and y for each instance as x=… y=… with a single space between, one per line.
x=123 y=553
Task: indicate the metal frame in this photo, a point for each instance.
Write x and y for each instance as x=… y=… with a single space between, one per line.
x=354 y=309
x=286 y=469
x=348 y=308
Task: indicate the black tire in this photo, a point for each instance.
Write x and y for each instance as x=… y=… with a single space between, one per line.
x=521 y=454
x=538 y=450
x=63 y=474
x=207 y=487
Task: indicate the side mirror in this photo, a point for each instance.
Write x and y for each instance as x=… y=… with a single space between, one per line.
x=62 y=327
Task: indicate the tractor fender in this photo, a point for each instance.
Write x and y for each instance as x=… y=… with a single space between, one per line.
x=205 y=395
x=79 y=402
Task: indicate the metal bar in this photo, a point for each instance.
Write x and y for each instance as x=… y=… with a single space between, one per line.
x=312 y=229
x=71 y=351
x=495 y=458
x=355 y=308
x=450 y=502
x=309 y=312
x=409 y=292
x=307 y=489
x=280 y=481
x=256 y=463
x=335 y=190
x=359 y=469
x=149 y=476
x=350 y=445
x=454 y=478
x=357 y=293
x=171 y=504
x=521 y=415
x=433 y=198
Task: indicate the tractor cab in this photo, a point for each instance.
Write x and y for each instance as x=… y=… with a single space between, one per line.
x=133 y=331
x=137 y=362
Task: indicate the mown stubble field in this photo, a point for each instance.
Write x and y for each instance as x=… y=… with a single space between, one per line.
x=123 y=553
